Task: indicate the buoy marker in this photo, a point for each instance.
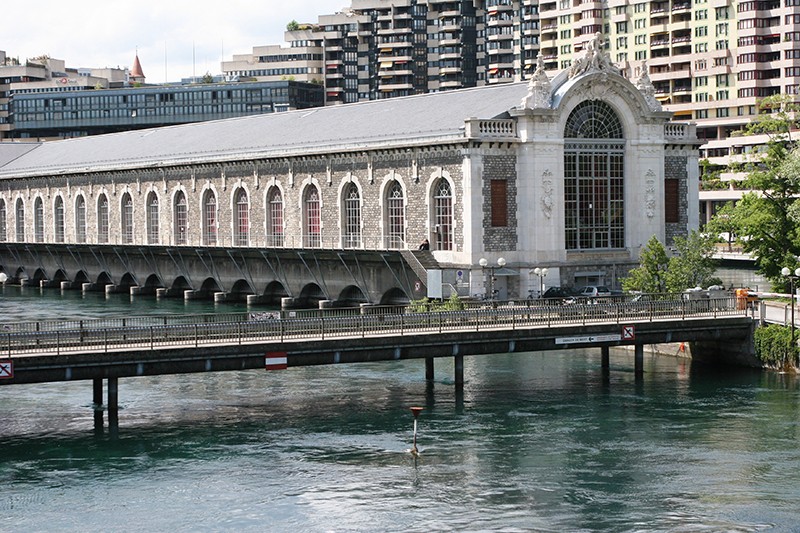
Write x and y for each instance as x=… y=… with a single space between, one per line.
x=415 y=411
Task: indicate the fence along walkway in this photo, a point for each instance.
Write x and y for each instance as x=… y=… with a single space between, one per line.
x=175 y=331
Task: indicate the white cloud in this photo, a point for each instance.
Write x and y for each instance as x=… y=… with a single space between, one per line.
x=174 y=38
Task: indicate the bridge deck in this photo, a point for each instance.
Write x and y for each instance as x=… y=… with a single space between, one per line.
x=97 y=349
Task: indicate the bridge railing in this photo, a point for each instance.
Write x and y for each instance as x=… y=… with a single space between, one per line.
x=107 y=335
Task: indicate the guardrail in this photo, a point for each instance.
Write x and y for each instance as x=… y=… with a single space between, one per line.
x=151 y=332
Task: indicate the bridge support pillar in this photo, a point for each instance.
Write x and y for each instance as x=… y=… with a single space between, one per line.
x=142 y=291
x=604 y=351
x=88 y=287
x=325 y=304
x=429 y=369
x=220 y=297
x=190 y=294
x=287 y=302
x=256 y=299
x=459 y=371
x=113 y=406
x=97 y=404
x=638 y=359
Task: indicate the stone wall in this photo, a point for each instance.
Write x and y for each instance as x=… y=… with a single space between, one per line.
x=675 y=167
x=500 y=167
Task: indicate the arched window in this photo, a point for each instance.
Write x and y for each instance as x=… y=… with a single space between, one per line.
x=241 y=228
x=20 y=220
x=275 y=217
x=58 y=219
x=152 y=218
x=2 y=220
x=209 y=218
x=312 y=218
x=594 y=166
x=396 y=215
x=126 y=220
x=443 y=215
x=38 y=220
x=181 y=218
x=102 y=219
x=352 y=217
x=80 y=219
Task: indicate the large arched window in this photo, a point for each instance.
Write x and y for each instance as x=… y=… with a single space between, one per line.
x=126 y=219
x=3 y=227
x=352 y=217
x=152 y=218
x=312 y=218
x=181 y=218
x=594 y=166
x=275 y=217
x=209 y=218
x=20 y=220
x=102 y=219
x=38 y=220
x=443 y=215
x=80 y=219
x=395 y=216
x=241 y=226
x=58 y=219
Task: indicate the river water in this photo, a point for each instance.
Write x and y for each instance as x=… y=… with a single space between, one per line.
x=536 y=442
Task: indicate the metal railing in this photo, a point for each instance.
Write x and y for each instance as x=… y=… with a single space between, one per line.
x=174 y=331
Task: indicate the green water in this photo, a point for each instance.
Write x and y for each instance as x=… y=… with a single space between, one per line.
x=536 y=442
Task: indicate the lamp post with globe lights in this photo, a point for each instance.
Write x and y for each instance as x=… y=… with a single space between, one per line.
x=792 y=277
x=541 y=272
x=484 y=263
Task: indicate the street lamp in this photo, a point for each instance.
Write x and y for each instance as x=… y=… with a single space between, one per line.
x=541 y=272
x=484 y=263
x=788 y=273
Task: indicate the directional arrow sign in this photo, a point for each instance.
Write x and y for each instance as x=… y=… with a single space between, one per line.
x=589 y=338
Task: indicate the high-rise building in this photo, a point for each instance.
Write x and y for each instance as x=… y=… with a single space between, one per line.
x=709 y=62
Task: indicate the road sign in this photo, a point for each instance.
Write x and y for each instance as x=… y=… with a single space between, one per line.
x=628 y=333
x=6 y=369
x=589 y=338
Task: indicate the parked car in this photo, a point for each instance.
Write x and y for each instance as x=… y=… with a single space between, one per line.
x=558 y=295
x=594 y=291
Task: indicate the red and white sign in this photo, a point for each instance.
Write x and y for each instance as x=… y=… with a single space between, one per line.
x=628 y=333
x=276 y=361
x=6 y=369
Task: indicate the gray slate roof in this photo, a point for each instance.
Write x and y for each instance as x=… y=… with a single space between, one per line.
x=318 y=130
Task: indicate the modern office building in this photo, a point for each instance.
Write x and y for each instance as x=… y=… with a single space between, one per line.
x=42 y=99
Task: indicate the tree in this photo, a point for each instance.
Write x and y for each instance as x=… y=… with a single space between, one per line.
x=293 y=25
x=693 y=265
x=651 y=275
x=767 y=219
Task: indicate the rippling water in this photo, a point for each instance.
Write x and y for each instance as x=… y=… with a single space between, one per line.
x=537 y=441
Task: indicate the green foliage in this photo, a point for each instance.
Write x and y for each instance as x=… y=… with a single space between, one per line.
x=692 y=266
x=292 y=25
x=767 y=220
x=772 y=344
x=207 y=78
x=651 y=275
x=426 y=305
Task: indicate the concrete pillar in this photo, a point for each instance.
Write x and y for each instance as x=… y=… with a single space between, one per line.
x=459 y=371
x=161 y=292
x=88 y=287
x=604 y=352
x=113 y=406
x=256 y=299
x=111 y=289
x=97 y=404
x=287 y=302
x=638 y=359
x=220 y=297
x=325 y=304
x=190 y=294
x=66 y=285
x=429 y=368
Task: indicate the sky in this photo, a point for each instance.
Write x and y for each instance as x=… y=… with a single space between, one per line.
x=175 y=39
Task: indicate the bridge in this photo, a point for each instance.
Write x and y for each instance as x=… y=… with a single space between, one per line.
x=114 y=348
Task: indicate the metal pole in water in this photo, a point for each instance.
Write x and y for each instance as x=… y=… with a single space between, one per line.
x=415 y=411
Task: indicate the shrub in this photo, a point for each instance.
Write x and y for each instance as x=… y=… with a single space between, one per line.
x=772 y=344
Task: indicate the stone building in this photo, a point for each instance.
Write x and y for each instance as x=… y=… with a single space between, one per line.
x=574 y=175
